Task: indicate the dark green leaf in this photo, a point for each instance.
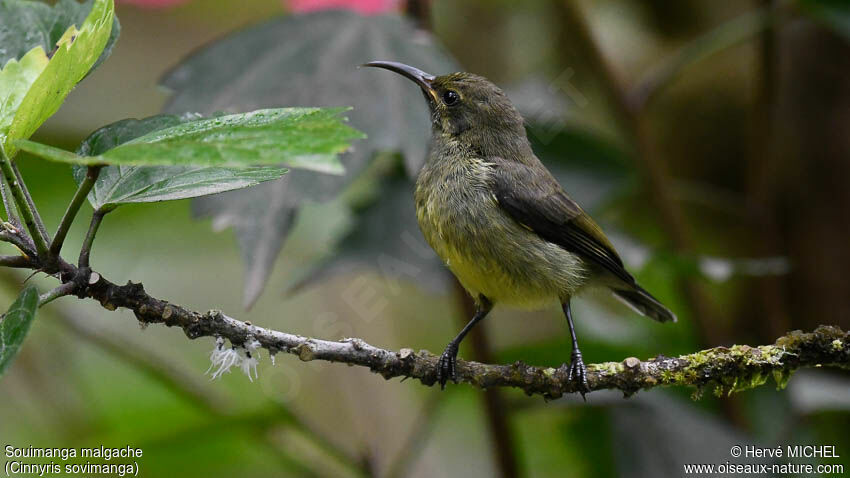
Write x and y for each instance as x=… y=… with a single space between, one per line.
x=77 y=51
x=253 y=212
x=133 y=184
x=126 y=184
x=385 y=237
x=312 y=59
x=307 y=138
x=309 y=59
x=120 y=132
x=25 y=25
x=15 y=324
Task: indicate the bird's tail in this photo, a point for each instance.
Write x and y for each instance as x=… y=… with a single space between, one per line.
x=642 y=302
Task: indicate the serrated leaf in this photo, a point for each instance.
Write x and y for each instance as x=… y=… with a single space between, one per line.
x=309 y=59
x=385 y=237
x=128 y=184
x=307 y=138
x=76 y=52
x=272 y=203
x=25 y=25
x=15 y=324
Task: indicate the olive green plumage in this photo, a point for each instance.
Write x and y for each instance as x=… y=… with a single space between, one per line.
x=497 y=217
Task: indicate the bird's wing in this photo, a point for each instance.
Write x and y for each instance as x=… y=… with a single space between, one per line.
x=533 y=198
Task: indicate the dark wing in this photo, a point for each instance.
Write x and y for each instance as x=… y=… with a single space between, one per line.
x=533 y=198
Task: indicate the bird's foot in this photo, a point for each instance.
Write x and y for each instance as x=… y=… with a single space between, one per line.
x=577 y=373
x=447 y=366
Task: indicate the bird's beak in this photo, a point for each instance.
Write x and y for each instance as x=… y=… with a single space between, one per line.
x=418 y=76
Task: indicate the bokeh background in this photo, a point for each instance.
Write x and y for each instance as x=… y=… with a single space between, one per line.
x=710 y=139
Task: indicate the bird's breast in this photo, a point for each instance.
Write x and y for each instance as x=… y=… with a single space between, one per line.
x=489 y=252
x=453 y=202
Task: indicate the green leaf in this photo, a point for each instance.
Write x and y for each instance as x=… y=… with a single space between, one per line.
x=133 y=184
x=309 y=59
x=15 y=324
x=128 y=184
x=77 y=51
x=307 y=138
x=25 y=25
x=16 y=78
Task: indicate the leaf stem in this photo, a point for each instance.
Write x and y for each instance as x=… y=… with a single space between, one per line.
x=17 y=241
x=8 y=206
x=77 y=201
x=19 y=262
x=36 y=216
x=60 y=291
x=25 y=208
x=85 y=251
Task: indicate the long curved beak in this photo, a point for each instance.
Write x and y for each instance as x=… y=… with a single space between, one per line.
x=416 y=75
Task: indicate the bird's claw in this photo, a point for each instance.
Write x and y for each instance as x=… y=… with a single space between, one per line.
x=447 y=366
x=577 y=374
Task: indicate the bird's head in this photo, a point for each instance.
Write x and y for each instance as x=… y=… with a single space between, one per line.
x=464 y=106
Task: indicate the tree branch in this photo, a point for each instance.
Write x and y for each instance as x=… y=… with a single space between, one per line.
x=189 y=387
x=730 y=369
x=8 y=206
x=42 y=231
x=67 y=288
x=19 y=262
x=19 y=240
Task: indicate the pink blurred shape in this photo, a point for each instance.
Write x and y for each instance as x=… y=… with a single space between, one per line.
x=154 y=3
x=368 y=7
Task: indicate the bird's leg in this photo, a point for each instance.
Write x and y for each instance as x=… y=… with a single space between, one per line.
x=447 y=366
x=577 y=370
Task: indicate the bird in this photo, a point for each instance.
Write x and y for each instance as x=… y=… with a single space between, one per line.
x=500 y=221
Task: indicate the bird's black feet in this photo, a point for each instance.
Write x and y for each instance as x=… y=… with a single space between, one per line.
x=447 y=366
x=578 y=373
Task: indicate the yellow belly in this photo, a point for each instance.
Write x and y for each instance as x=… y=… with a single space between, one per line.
x=529 y=274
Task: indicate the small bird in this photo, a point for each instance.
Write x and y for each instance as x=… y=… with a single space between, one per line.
x=498 y=218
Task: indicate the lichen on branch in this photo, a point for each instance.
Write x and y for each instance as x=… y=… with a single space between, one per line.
x=731 y=369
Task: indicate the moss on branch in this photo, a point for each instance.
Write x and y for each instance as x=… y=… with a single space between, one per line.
x=728 y=370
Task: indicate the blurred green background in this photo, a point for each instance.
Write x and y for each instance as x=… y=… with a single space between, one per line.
x=748 y=128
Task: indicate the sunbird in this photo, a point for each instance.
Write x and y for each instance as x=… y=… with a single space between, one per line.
x=498 y=218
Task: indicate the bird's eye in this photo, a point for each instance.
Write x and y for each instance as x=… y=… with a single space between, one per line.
x=450 y=97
